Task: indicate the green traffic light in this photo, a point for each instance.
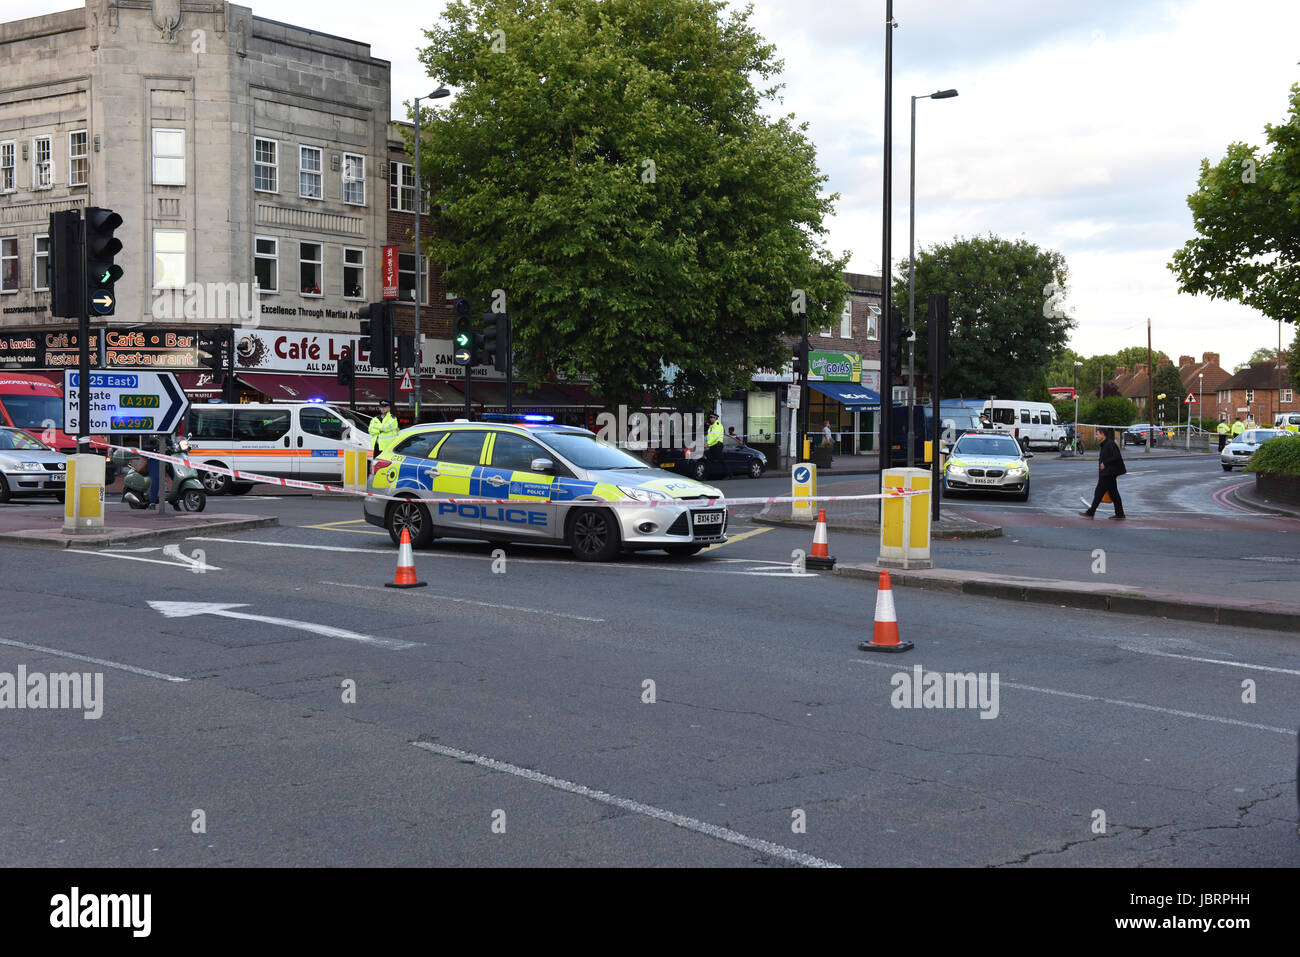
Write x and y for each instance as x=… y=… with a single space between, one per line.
x=462 y=339
x=108 y=273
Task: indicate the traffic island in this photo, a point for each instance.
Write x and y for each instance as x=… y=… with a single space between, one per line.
x=43 y=527
x=860 y=518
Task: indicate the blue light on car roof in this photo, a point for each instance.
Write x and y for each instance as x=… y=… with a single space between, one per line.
x=516 y=417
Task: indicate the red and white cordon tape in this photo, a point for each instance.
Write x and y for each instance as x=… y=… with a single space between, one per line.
x=338 y=490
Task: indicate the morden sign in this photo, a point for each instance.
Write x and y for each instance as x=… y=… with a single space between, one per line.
x=125 y=402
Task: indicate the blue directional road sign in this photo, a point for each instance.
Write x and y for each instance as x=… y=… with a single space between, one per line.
x=102 y=303
x=124 y=403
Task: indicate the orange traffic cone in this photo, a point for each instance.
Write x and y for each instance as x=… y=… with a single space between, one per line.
x=405 y=566
x=820 y=557
x=884 y=634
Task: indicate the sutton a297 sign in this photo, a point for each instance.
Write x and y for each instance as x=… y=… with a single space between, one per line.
x=125 y=402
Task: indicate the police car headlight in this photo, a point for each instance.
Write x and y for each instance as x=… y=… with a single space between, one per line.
x=1017 y=470
x=30 y=467
x=644 y=495
x=956 y=469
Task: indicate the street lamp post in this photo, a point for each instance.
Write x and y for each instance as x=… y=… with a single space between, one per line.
x=911 y=282
x=419 y=289
x=1076 y=400
x=1200 y=399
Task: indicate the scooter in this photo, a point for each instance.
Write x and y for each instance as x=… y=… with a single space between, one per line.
x=187 y=488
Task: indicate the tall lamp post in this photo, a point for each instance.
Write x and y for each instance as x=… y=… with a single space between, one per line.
x=1200 y=400
x=911 y=281
x=1077 y=366
x=437 y=94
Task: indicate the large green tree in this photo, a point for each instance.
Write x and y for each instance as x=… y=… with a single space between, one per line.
x=607 y=167
x=1005 y=312
x=1246 y=211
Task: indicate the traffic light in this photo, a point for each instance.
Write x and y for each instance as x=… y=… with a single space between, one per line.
x=478 y=350
x=938 y=334
x=799 y=365
x=66 y=283
x=210 y=356
x=405 y=351
x=346 y=370
x=377 y=333
x=896 y=342
x=101 y=247
x=463 y=333
x=496 y=341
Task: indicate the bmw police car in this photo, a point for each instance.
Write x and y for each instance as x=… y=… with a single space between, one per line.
x=558 y=481
x=987 y=462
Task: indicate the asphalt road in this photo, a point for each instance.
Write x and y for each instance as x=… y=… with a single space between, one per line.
x=649 y=712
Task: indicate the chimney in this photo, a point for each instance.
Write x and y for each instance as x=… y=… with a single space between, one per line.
x=1140 y=368
x=1162 y=362
x=1121 y=371
x=1210 y=358
x=1185 y=361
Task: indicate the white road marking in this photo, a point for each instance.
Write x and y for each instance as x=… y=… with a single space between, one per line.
x=186 y=609
x=467 y=601
x=1212 y=661
x=186 y=563
x=94 y=661
x=636 y=807
x=1290 y=732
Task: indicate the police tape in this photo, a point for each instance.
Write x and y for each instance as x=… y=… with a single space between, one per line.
x=258 y=478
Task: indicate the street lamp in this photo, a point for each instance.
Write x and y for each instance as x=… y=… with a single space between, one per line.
x=1200 y=400
x=1077 y=366
x=437 y=94
x=911 y=280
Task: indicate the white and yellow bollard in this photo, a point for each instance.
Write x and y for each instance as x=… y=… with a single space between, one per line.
x=83 y=494
x=905 y=520
x=803 y=484
x=356 y=469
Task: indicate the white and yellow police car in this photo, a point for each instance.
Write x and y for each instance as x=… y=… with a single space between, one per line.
x=557 y=482
x=987 y=462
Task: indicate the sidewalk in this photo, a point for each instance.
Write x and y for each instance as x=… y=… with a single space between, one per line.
x=42 y=525
x=868 y=464
x=1247 y=496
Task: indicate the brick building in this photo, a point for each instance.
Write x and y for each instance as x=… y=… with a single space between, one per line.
x=1258 y=392
x=1204 y=379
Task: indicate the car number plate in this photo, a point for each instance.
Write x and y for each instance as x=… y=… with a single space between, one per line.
x=708 y=518
x=57 y=477
x=984 y=481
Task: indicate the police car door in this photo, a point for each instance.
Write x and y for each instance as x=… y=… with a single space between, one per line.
x=509 y=474
x=456 y=476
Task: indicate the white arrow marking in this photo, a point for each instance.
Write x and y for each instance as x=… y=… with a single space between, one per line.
x=186 y=609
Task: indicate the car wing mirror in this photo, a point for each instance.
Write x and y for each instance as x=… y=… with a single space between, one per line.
x=542 y=465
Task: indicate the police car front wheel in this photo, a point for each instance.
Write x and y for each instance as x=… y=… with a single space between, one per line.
x=593 y=535
x=414 y=518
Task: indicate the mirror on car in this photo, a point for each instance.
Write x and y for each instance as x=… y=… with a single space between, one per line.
x=542 y=465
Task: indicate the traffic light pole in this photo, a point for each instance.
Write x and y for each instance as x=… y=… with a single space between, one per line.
x=886 y=379
x=83 y=350
x=468 y=380
x=803 y=394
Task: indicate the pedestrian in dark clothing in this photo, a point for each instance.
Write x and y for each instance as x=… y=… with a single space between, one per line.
x=1111 y=467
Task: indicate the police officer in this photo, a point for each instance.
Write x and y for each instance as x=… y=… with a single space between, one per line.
x=1223 y=435
x=383 y=427
x=1238 y=427
x=713 y=439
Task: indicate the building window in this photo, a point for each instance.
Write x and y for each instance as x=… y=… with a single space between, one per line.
x=41 y=263
x=354 y=273
x=8 y=182
x=354 y=179
x=266 y=263
x=168 y=258
x=406 y=278
x=310 y=269
x=846 y=320
x=42 y=163
x=309 y=178
x=169 y=157
x=401 y=188
x=873 y=322
x=9 y=264
x=266 y=165
x=78 y=159
x=1287 y=396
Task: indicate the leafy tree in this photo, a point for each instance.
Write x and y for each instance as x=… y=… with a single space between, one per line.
x=1293 y=360
x=1006 y=322
x=1115 y=410
x=1168 y=381
x=608 y=166
x=1246 y=211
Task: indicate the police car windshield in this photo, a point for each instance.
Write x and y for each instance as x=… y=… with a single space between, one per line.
x=985 y=445
x=588 y=452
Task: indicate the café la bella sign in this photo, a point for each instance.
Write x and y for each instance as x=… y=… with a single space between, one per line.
x=266 y=350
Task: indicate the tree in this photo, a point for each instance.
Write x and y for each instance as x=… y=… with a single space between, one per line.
x=1115 y=410
x=1170 y=383
x=1246 y=211
x=607 y=167
x=1006 y=319
x=1293 y=360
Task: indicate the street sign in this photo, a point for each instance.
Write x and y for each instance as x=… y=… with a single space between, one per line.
x=461 y=356
x=803 y=482
x=406 y=381
x=149 y=403
x=792 y=396
x=102 y=303
x=1190 y=400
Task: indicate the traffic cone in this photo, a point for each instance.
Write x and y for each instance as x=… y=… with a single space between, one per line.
x=820 y=557
x=405 y=565
x=884 y=634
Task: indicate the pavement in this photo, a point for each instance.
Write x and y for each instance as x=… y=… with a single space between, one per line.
x=1250 y=498
x=40 y=524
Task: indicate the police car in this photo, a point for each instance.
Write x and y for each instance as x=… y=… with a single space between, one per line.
x=558 y=482
x=987 y=462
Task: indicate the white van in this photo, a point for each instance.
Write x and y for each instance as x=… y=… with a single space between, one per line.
x=1290 y=421
x=302 y=441
x=1029 y=423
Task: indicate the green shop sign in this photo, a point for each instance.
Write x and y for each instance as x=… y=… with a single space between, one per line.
x=835 y=366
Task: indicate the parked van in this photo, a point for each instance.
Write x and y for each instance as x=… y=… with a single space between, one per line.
x=34 y=403
x=1290 y=421
x=1029 y=423
x=302 y=441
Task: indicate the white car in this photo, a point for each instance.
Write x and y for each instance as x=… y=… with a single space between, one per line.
x=1238 y=451
x=29 y=466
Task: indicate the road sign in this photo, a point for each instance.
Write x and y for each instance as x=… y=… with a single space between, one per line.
x=150 y=403
x=102 y=303
x=803 y=482
x=406 y=381
x=462 y=357
x=792 y=396
x=1190 y=400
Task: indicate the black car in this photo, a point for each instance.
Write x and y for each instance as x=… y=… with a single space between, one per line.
x=1137 y=434
x=691 y=462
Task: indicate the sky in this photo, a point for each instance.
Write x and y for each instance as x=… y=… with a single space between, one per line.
x=1077 y=126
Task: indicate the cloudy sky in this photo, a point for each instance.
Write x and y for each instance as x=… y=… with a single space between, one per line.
x=1079 y=126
